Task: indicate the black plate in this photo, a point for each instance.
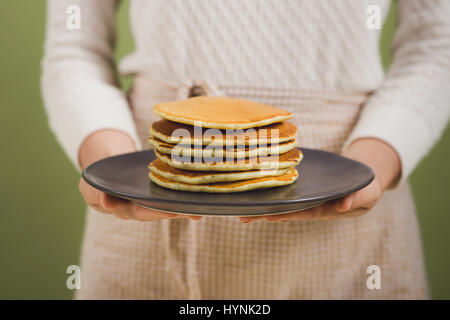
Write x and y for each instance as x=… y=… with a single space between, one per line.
x=323 y=176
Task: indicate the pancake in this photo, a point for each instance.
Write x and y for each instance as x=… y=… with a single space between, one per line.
x=175 y=133
x=285 y=160
x=201 y=177
x=221 y=152
x=221 y=113
x=228 y=187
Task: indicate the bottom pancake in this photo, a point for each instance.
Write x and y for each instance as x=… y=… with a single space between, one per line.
x=201 y=177
x=228 y=187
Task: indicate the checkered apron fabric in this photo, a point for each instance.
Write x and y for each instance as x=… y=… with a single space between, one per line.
x=222 y=258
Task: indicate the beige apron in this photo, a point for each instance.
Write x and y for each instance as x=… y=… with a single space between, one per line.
x=222 y=258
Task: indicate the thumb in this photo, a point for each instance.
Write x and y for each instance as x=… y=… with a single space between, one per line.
x=362 y=199
x=109 y=202
x=345 y=204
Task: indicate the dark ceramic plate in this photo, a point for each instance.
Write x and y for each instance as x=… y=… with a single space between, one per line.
x=323 y=176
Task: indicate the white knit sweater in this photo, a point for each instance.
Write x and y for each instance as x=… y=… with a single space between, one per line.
x=320 y=45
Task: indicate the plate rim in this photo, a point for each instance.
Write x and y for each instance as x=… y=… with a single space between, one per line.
x=128 y=196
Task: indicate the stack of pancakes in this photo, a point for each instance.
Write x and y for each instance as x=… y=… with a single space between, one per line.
x=222 y=145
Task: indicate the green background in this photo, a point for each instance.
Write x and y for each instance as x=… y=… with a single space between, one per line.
x=42 y=213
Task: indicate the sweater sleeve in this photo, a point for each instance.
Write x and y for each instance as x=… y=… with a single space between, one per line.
x=78 y=75
x=411 y=108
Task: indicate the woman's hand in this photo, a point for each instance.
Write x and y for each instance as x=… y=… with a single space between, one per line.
x=376 y=154
x=106 y=143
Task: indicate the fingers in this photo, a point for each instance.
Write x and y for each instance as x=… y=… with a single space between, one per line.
x=367 y=197
x=146 y=214
x=109 y=202
x=344 y=205
x=135 y=212
x=143 y=214
x=316 y=213
x=321 y=212
x=103 y=202
x=122 y=208
x=353 y=205
x=250 y=219
x=362 y=199
x=92 y=196
x=195 y=218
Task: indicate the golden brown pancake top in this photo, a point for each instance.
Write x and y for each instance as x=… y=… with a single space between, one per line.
x=216 y=111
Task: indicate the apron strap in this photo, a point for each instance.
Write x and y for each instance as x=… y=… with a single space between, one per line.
x=197 y=87
x=190 y=87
